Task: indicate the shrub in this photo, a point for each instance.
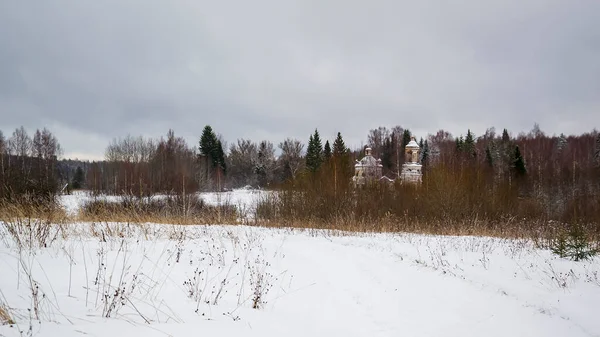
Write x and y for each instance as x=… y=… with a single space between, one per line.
x=573 y=244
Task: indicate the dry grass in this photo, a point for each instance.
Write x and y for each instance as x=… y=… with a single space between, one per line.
x=409 y=210
x=5 y=316
x=392 y=224
x=50 y=211
x=452 y=200
x=177 y=211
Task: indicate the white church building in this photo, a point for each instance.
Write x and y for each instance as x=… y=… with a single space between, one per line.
x=369 y=169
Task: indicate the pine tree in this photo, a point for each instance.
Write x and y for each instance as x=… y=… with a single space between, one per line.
x=342 y=170
x=78 y=178
x=405 y=138
x=314 y=152
x=505 y=136
x=425 y=153
x=208 y=145
x=597 y=151
x=2 y=154
x=318 y=143
x=220 y=157
x=469 y=144
x=310 y=154
x=263 y=160
x=488 y=157
x=212 y=151
x=561 y=143
x=327 y=151
x=460 y=144
x=519 y=163
x=388 y=153
x=339 y=148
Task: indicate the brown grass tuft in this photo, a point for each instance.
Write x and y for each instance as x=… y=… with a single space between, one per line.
x=5 y=317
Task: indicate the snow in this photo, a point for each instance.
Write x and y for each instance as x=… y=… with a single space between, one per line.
x=73 y=202
x=315 y=283
x=245 y=199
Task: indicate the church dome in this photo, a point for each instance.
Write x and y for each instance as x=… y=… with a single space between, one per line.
x=412 y=144
x=368 y=160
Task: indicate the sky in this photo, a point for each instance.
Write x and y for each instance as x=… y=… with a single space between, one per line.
x=91 y=71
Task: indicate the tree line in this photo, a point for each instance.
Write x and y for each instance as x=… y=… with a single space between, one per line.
x=29 y=165
x=143 y=167
x=530 y=184
x=561 y=173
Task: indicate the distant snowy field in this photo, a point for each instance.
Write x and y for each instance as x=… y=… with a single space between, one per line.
x=205 y=280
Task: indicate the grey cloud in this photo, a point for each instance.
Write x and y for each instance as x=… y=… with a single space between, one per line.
x=272 y=69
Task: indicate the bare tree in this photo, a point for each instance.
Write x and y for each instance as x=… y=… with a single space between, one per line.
x=20 y=143
x=51 y=149
x=2 y=168
x=291 y=157
x=242 y=160
x=440 y=145
x=376 y=139
x=265 y=163
x=37 y=144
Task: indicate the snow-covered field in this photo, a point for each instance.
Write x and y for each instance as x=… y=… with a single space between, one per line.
x=164 y=280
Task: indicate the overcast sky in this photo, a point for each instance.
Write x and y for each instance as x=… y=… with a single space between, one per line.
x=269 y=69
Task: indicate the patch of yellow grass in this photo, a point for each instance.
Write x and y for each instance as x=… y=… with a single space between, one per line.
x=5 y=317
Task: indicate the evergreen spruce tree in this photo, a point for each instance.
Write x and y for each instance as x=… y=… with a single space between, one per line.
x=460 y=144
x=339 y=148
x=212 y=151
x=505 y=136
x=519 y=164
x=327 y=151
x=220 y=155
x=78 y=179
x=261 y=169
x=469 y=145
x=342 y=171
x=597 y=151
x=387 y=154
x=405 y=138
x=318 y=144
x=310 y=154
x=505 y=154
x=561 y=143
x=425 y=153
x=207 y=146
x=208 y=143
x=314 y=152
x=488 y=157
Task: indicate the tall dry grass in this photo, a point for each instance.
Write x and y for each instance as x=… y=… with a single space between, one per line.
x=5 y=315
x=48 y=210
x=450 y=201
x=172 y=210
